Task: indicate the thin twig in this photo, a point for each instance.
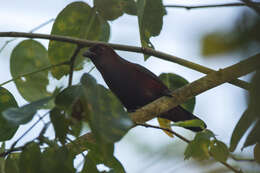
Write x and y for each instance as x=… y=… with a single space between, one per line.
x=33 y=72
x=31 y=31
x=72 y=62
x=185 y=140
x=209 y=6
x=147 y=51
x=28 y=130
x=162 y=128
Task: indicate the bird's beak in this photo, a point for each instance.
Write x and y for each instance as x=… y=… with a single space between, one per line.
x=89 y=54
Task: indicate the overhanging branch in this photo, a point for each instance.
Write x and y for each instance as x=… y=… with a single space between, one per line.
x=147 y=51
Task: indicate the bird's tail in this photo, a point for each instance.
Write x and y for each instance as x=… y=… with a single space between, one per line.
x=180 y=114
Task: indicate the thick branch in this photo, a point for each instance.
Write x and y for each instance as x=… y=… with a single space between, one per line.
x=210 y=6
x=147 y=51
x=197 y=87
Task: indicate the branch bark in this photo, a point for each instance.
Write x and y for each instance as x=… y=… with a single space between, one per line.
x=147 y=51
x=211 y=5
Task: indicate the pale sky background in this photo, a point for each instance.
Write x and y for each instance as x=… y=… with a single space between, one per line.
x=140 y=150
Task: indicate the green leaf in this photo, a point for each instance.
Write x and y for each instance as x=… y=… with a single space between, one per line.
x=198 y=148
x=12 y=163
x=109 y=9
x=78 y=20
x=7 y=100
x=173 y=82
x=29 y=56
x=57 y=159
x=130 y=7
x=60 y=124
x=150 y=20
x=254 y=136
x=30 y=159
x=241 y=127
x=90 y=164
x=108 y=120
x=219 y=151
x=191 y=123
x=257 y=153
x=24 y=114
x=2 y=159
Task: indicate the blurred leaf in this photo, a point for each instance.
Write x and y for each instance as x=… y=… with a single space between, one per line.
x=2 y=159
x=173 y=82
x=108 y=120
x=164 y=123
x=57 y=160
x=149 y=12
x=241 y=127
x=130 y=7
x=191 y=123
x=254 y=136
x=24 y=114
x=7 y=100
x=30 y=159
x=11 y=163
x=257 y=153
x=243 y=36
x=28 y=56
x=90 y=164
x=78 y=20
x=219 y=151
x=198 y=148
x=109 y=9
x=105 y=30
x=60 y=125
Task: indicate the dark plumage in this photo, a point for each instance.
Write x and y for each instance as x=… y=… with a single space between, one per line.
x=134 y=85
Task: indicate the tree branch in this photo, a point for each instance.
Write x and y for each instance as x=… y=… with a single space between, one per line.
x=147 y=51
x=210 y=6
x=197 y=87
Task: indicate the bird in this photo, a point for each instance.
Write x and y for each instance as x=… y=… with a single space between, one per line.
x=134 y=85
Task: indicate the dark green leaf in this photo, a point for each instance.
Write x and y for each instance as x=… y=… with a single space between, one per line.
x=29 y=56
x=130 y=7
x=90 y=164
x=219 y=151
x=2 y=159
x=12 y=162
x=191 y=123
x=173 y=82
x=57 y=160
x=30 y=159
x=60 y=124
x=257 y=153
x=241 y=127
x=105 y=30
x=24 y=114
x=7 y=100
x=109 y=9
x=150 y=19
x=78 y=20
x=254 y=135
x=108 y=120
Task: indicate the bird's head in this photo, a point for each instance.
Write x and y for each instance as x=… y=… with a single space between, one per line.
x=98 y=51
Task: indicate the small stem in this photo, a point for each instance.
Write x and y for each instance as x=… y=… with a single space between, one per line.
x=33 y=72
x=148 y=51
x=28 y=130
x=210 y=6
x=72 y=62
x=168 y=130
x=187 y=141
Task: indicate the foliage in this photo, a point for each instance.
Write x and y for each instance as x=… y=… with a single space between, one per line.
x=88 y=102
